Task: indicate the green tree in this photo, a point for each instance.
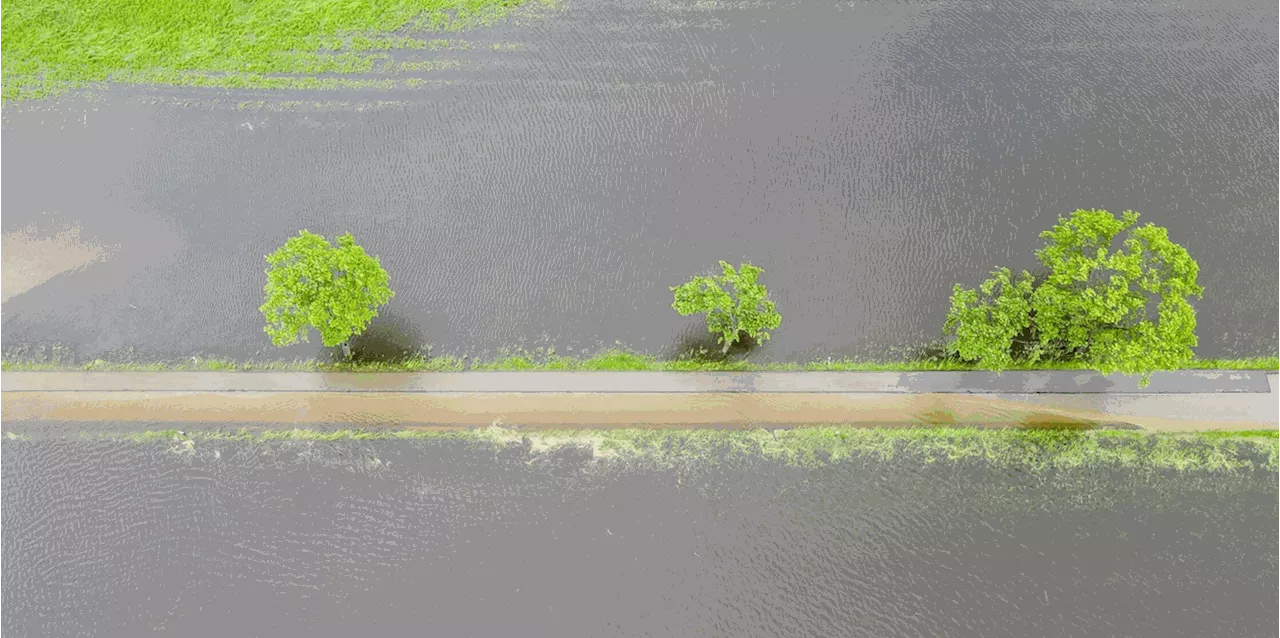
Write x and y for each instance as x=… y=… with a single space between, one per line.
x=743 y=309
x=1125 y=311
x=984 y=323
x=312 y=284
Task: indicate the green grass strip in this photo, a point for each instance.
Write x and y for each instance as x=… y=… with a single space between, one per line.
x=255 y=81
x=51 y=46
x=818 y=446
x=607 y=360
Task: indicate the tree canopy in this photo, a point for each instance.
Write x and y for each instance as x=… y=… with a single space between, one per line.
x=313 y=284
x=1125 y=310
x=743 y=308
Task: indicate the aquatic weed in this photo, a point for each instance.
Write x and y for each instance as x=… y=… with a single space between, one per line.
x=1033 y=450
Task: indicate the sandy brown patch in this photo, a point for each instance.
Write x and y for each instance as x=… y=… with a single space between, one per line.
x=561 y=409
x=28 y=259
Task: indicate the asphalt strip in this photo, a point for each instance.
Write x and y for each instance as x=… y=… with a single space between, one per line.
x=704 y=400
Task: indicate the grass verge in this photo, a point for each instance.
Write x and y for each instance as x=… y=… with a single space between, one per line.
x=608 y=360
x=52 y=46
x=814 y=446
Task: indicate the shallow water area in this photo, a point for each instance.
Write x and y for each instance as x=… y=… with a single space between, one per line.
x=512 y=534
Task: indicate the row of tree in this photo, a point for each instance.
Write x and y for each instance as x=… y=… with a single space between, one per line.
x=1122 y=309
x=337 y=290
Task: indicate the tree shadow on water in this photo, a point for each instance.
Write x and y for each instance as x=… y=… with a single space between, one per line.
x=389 y=339
x=929 y=352
x=697 y=344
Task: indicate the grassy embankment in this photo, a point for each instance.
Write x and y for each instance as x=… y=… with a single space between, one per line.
x=817 y=446
x=53 y=46
x=607 y=360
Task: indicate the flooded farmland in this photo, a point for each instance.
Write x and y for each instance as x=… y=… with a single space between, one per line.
x=546 y=185
x=542 y=181
x=445 y=537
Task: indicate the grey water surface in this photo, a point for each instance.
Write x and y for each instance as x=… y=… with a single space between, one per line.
x=434 y=537
x=866 y=154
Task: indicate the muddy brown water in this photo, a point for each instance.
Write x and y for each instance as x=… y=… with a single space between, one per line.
x=868 y=155
x=447 y=538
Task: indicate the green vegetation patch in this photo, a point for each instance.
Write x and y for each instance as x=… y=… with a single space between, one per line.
x=418 y=66
x=1118 y=309
x=51 y=46
x=255 y=81
x=735 y=303
x=821 y=446
x=314 y=284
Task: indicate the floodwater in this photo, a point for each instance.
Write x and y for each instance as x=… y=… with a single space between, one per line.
x=868 y=155
x=446 y=538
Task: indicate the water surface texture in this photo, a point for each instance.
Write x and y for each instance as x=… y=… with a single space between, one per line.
x=445 y=538
x=868 y=155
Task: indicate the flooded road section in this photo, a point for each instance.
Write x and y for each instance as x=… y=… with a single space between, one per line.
x=122 y=538
x=570 y=168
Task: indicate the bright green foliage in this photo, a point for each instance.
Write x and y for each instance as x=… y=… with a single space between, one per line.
x=744 y=309
x=985 y=325
x=50 y=46
x=1124 y=311
x=313 y=284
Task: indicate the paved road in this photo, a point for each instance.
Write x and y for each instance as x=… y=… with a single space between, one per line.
x=1189 y=400
x=1038 y=382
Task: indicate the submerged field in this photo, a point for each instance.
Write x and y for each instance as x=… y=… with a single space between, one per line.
x=546 y=183
x=53 y=46
x=571 y=166
x=1031 y=449
x=816 y=532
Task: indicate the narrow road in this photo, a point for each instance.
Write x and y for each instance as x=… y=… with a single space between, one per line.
x=1187 y=400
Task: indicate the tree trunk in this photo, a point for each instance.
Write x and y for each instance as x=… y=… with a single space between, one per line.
x=346 y=350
